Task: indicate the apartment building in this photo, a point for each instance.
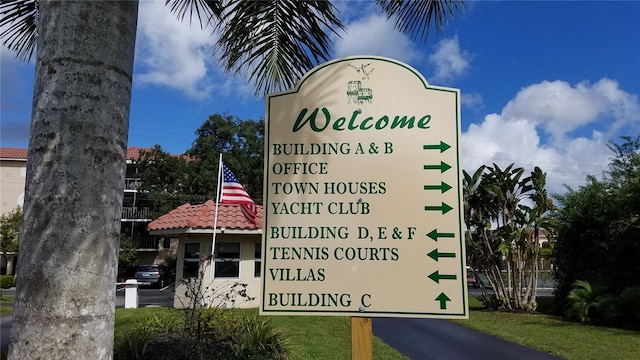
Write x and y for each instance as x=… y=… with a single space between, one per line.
x=134 y=220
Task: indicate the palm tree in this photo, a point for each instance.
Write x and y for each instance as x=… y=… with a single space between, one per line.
x=75 y=176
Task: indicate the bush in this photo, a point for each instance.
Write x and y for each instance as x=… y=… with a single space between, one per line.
x=7 y=281
x=257 y=338
x=591 y=305
x=490 y=301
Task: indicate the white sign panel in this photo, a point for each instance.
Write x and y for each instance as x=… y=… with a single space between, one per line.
x=363 y=205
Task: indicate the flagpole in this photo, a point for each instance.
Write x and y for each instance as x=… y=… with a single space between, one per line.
x=215 y=220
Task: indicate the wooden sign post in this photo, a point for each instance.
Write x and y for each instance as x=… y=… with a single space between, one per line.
x=361 y=338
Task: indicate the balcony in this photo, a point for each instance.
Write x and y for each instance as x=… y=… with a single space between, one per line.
x=136 y=214
x=131 y=183
x=146 y=242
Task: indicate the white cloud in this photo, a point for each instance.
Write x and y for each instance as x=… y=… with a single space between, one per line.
x=517 y=135
x=172 y=53
x=559 y=108
x=472 y=100
x=180 y=56
x=375 y=35
x=449 y=61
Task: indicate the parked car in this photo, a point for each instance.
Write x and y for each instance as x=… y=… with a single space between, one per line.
x=156 y=275
x=472 y=280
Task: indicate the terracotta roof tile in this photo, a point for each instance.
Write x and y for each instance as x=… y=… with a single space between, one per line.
x=201 y=216
x=13 y=153
x=133 y=153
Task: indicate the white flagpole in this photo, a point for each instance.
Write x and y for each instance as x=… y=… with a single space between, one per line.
x=215 y=220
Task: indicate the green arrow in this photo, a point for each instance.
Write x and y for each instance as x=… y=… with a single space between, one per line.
x=444 y=208
x=443 y=187
x=442 y=167
x=442 y=147
x=443 y=298
x=435 y=235
x=436 y=277
x=435 y=255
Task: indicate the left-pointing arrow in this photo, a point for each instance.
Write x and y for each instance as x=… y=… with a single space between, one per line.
x=436 y=276
x=443 y=298
x=444 y=208
x=435 y=255
x=443 y=187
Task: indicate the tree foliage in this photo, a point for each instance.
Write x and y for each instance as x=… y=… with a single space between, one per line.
x=505 y=214
x=10 y=224
x=169 y=181
x=128 y=252
x=75 y=177
x=598 y=227
x=275 y=41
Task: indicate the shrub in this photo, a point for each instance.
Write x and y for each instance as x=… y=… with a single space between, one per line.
x=590 y=305
x=257 y=338
x=135 y=342
x=490 y=301
x=7 y=281
x=584 y=302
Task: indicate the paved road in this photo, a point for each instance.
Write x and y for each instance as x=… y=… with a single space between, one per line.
x=421 y=339
x=434 y=339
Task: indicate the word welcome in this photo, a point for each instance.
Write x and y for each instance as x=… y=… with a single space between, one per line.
x=398 y=122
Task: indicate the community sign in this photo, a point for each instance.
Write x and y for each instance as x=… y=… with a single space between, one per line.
x=363 y=204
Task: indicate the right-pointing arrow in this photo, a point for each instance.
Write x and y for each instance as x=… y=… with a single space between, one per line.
x=443 y=146
x=444 y=208
x=443 y=187
x=443 y=166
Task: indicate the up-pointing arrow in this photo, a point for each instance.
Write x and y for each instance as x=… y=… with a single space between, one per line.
x=444 y=208
x=443 y=187
x=442 y=147
x=443 y=298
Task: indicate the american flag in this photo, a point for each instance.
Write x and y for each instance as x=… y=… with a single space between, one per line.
x=234 y=193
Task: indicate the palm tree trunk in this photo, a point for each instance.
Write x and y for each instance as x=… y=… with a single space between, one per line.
x=64 y=306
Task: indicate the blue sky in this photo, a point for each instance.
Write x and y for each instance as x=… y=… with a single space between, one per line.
x=543 y=83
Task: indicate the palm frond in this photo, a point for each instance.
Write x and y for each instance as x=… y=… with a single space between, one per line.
x=19 y=21
x=204 y=11
x=415 y=18
x=277 y=40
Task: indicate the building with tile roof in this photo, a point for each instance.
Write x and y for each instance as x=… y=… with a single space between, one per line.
x=134 y=220
x=237 y=251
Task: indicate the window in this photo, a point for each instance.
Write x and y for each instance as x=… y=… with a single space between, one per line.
x=191 y=263
x=257 y=262
x=166 y=242
x=227 y=259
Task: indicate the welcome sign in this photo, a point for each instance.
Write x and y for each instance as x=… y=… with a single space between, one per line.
x=363 y=206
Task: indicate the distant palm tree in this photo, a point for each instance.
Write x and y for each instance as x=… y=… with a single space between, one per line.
x=64 y=306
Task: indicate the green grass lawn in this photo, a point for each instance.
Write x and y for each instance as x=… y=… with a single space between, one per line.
x=556 y=336
x=329 y=337
x=313 y=337
x=6 y=309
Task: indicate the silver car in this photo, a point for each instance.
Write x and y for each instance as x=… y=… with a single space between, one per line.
x=155 y=275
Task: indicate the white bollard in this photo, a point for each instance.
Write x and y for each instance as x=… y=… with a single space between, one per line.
x=131 y=294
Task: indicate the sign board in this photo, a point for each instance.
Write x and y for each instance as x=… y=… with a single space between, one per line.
x=363 y=206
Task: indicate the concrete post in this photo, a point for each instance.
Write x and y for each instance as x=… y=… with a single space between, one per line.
x=131 y=294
